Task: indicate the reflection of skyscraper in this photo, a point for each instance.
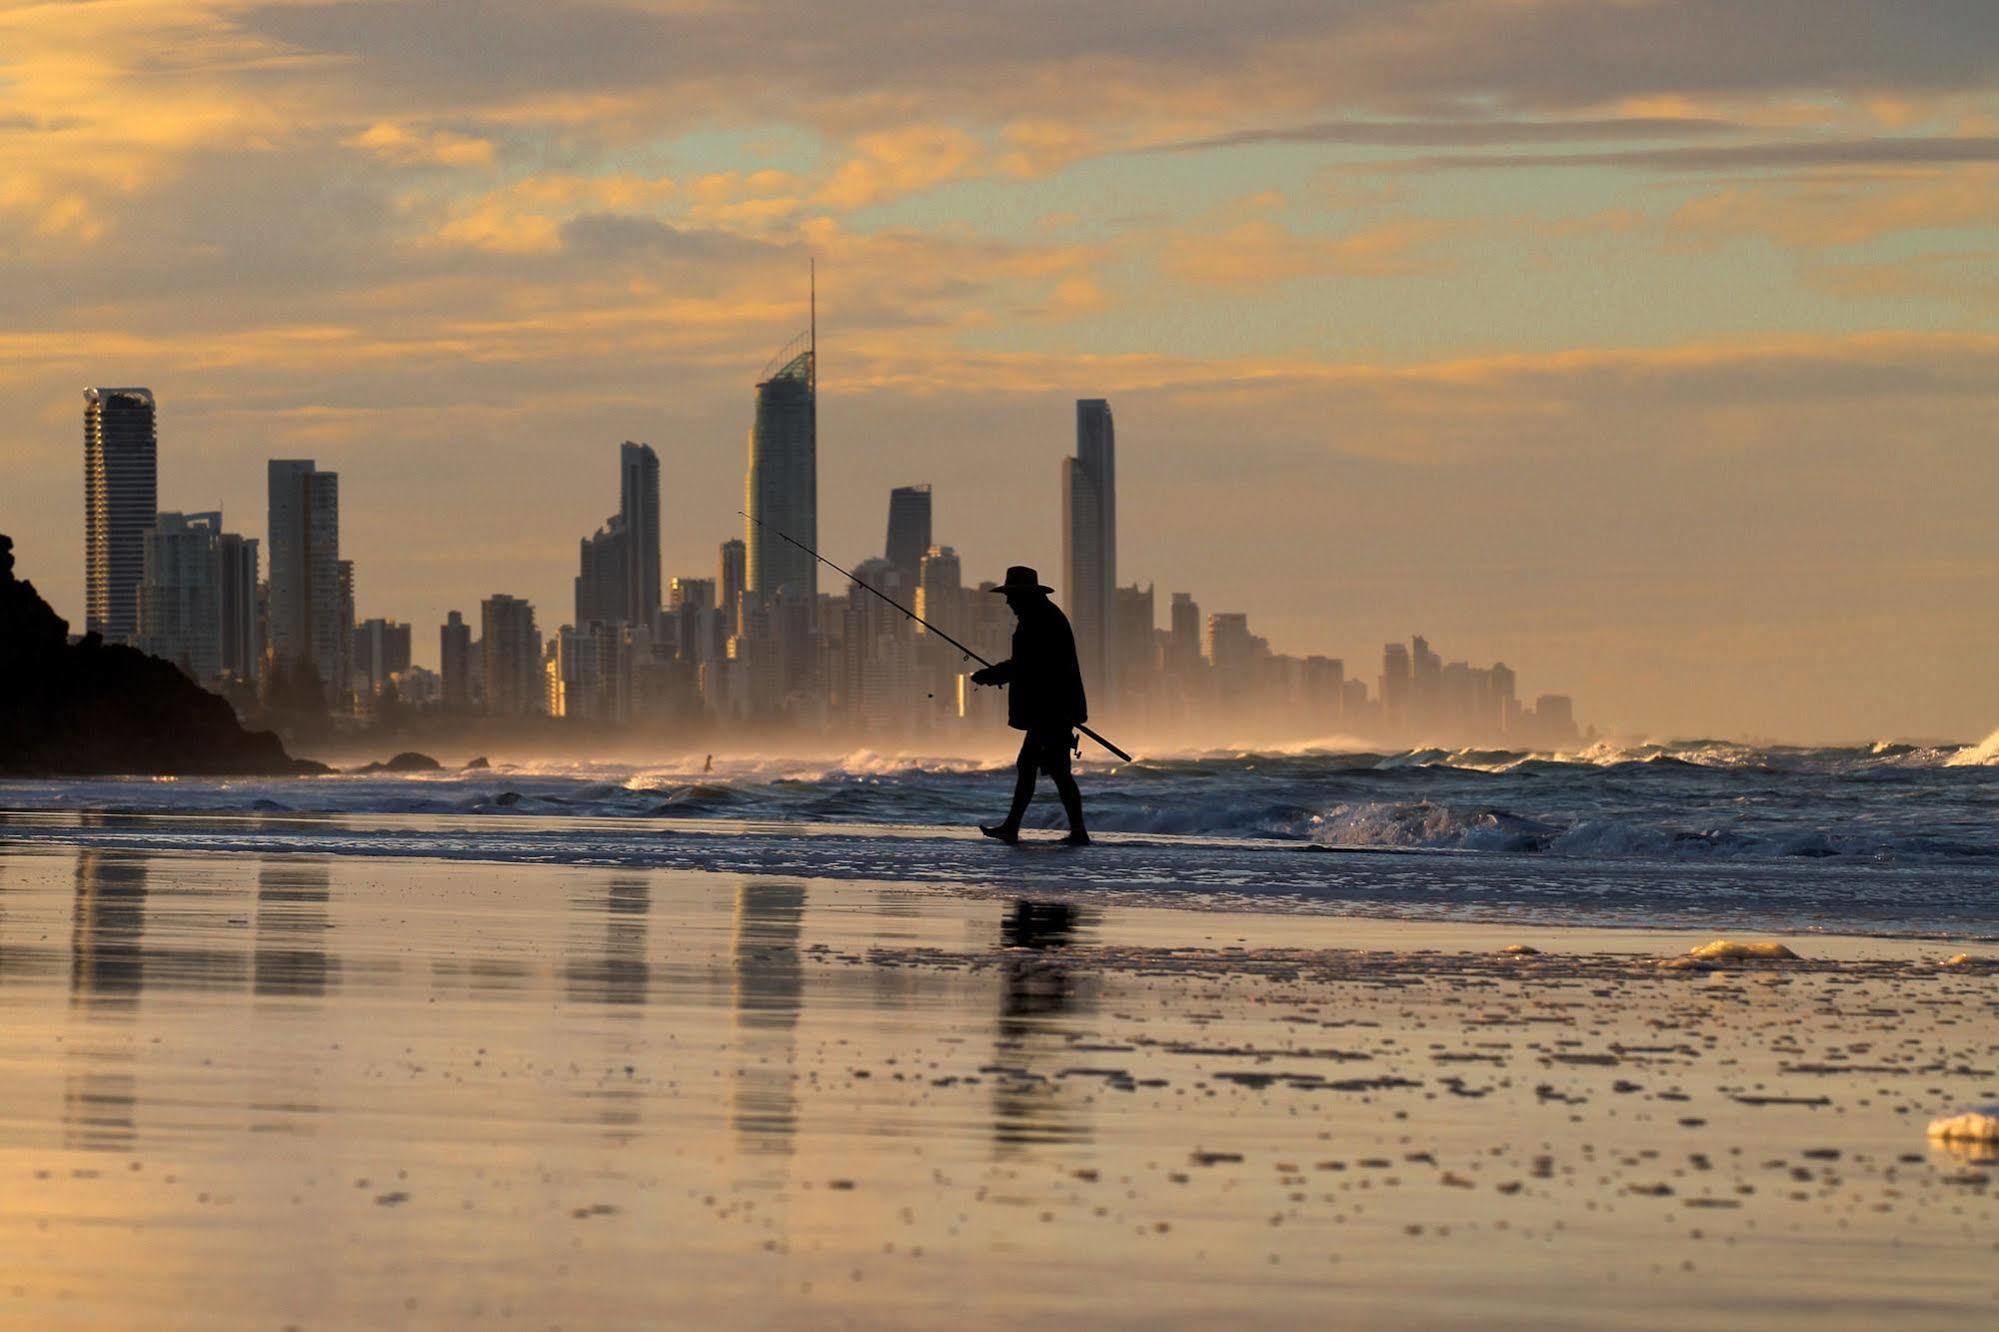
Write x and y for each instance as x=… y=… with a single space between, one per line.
x=106 y=952
x=782 y=486
x=120 y=497
x=292 y=922
x=107 y=973
x=306 y=609
x=1089 y=538
x=908 y=530
x=770 y=985
x=617 y=972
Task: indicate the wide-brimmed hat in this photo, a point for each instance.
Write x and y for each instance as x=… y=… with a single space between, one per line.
x=1020 y=578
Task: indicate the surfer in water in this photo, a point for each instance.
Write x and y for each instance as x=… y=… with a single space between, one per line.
x=1044 y=684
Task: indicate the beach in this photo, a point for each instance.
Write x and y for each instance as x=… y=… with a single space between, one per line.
x=326 y=1091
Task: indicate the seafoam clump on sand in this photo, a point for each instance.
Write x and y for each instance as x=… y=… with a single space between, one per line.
x=1974 y=1123
x=1730 y=950
x=1711 y=956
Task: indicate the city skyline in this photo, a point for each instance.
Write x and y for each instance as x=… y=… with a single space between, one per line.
x=828 y=663
x=1568 y=327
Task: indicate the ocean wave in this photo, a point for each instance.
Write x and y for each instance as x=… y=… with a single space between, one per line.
x=1984 y=754
x=1885 y=802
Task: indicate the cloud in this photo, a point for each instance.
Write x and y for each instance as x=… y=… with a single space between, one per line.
x=1031 y=58
x=616 y=236
x=1460 y=132
x=395 y=143
x=892 y=163
x=1258 y=253
x=1814 y=213
x=1791 y=154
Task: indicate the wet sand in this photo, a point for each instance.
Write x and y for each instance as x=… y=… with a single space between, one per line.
x=269 y=1092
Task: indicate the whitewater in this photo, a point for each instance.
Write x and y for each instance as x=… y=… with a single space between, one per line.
x=1886 y=838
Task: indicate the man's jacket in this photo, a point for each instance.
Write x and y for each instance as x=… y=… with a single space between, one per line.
x=1043 y=678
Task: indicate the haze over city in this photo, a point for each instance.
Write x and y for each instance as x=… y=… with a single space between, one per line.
x=1654 y=357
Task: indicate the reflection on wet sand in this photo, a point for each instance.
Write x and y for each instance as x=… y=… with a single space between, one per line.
x=617 y=972
x=769 y=990
x=375 y=1093
x=611 y=969
x=1032 y=1104
x=292 y=922
x=107 y=975
x=107 y=957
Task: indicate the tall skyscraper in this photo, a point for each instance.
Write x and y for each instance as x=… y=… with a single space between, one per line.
x=940 y=591
x=1394 y=684
x=343 y=628
x=781 y=489
x=236 y=604
x=307 y=619
x=908 y=530
x=1089 y=540
x=638 y=505
x=454 y=660
x=381 y=649
x=690 y=594
x=731 y=578
x=1184 y=640
x=1133 y=619
x=180 y=616
x=120 y=499
x=511 y=646
x=603 y=575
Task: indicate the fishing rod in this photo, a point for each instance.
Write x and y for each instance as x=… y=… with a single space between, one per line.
x=970 y=655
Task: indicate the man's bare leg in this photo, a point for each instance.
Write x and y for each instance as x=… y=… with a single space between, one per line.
x=1072 y=801
x=1023 y=792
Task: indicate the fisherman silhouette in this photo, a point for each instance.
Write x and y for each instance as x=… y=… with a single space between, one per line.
x=1044 y=698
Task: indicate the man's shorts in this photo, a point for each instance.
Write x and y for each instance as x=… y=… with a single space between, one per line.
x=1048 y=750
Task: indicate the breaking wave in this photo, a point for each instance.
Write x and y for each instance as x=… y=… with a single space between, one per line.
x=1674 y=801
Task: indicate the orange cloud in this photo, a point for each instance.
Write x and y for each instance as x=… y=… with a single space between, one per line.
x=897 y=162
x=1260 y=253
x=394 y=143
x=1838 y=210
x=526 y=217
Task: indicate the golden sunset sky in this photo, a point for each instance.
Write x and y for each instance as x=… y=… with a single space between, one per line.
x=1651 y=346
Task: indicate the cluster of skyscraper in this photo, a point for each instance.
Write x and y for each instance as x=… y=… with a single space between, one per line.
x=758 y=643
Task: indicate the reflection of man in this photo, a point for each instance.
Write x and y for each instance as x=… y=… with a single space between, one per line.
x=1044 y=698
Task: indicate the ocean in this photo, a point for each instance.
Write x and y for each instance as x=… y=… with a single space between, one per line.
x=1887 y=839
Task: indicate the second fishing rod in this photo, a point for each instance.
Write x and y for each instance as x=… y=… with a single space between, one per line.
x=969 y=654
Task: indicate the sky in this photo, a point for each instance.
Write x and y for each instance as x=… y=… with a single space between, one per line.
x=1650 y=346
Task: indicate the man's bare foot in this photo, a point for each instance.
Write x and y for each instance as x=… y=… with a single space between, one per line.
x=1077 y=838
x=999 y=832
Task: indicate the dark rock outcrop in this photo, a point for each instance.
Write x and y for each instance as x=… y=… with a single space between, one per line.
x=479 y=764
x=93 y=708
x=407 y=761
